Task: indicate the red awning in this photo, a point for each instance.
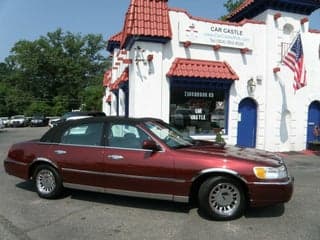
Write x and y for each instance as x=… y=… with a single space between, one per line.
x=201 y=69
x=109 y=98
x=123 y=78
x=107 y=78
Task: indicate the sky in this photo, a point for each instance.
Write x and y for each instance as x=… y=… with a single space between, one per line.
x=30 y=19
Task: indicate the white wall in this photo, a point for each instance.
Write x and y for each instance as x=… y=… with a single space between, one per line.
x=282 y=113
x=148 y=89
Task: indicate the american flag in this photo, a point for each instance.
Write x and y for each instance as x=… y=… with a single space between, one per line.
x=295 y=61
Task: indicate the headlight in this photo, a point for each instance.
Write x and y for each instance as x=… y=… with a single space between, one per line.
x=270 y=172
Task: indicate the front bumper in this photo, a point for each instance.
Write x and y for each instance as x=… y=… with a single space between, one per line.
x=270 y=193
x=17 y=124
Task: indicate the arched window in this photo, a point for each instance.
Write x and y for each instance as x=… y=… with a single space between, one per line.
x=288 y=35
x=288 y=29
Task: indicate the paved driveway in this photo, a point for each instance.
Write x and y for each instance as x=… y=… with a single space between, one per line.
x=84 y=215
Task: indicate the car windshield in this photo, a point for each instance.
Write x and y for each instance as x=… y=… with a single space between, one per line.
x=169 y=135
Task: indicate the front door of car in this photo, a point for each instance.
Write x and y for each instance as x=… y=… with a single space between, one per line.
x=131 y=168
x=80 y=154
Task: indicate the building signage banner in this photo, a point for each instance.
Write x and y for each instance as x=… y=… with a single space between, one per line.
x=206 y=33
x=198 y=94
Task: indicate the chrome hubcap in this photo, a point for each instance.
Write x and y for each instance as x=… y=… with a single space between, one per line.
x=224 y=199
x=45 y=181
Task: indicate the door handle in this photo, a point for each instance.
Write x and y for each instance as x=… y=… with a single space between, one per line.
x=115 y=157
x=60 y=152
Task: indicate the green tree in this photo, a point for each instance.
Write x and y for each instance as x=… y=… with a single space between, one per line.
x=92 y=98
x=59 y=106
x=53 y=71
x=38 y=108
x=231 y=5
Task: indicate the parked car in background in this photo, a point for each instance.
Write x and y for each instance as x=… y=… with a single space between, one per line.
x=5 y=121
x=1 y=124
x=39 y=121
x=149 y=158
x=18 y=121
x=74 y=116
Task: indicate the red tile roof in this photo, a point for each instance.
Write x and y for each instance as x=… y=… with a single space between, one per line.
x=314 y=31
x=116 y=37
x=107 y=78
x=114 y=42
x=182 y=67
x=148 y=18
x=241 y=23
x=257 y=6
x=242 y=6
x=123 y=78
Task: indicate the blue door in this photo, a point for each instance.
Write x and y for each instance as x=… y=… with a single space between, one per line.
x=247 y=123
x=313 y=122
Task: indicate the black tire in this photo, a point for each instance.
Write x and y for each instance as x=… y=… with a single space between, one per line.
x=48 y=181
x=221 y=198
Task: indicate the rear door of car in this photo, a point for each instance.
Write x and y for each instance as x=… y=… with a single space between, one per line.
x=80 y=153
x=129 y=167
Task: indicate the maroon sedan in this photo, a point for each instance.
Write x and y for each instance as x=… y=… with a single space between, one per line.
x=148 y=158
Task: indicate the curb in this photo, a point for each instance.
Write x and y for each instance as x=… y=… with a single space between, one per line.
x=304 y=152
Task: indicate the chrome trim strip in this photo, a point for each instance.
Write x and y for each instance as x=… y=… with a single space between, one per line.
x=103 y=147
x=79 y=145
x=42 y=159
x=125 y=175
x=132 y=149
x=47 y=143
x=9 y=160
x=291 y=179
x=218 y=170
x=128 y=193
x=182 y=199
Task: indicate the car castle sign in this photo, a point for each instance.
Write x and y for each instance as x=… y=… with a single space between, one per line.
x=206 y=33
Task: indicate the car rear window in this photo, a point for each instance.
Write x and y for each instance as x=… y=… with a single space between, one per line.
x=85 y=134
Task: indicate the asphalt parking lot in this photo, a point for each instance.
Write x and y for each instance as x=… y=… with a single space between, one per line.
x=85 y=215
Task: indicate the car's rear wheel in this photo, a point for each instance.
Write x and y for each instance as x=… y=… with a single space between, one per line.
x=48 y=181
x=221 y=198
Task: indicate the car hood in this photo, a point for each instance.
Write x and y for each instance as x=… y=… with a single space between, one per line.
x=236 y=153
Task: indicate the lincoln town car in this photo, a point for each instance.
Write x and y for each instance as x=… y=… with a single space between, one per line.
x=149 y=158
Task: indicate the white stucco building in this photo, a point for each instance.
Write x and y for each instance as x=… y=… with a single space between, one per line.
x=202 y=74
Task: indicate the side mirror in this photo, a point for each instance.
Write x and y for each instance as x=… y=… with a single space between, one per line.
x=150 y=145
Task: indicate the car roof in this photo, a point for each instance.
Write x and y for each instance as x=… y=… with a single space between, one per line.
x=112 y=119
x=58 y=130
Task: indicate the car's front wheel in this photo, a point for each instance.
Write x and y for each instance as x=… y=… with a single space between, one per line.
x=221 y=198
x=48 y=181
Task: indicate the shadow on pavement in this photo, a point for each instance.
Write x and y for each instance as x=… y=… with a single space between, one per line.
x=105 y=198
x=263 y=212
x=266 y=212
x=27 y=185
x=159 y=205
x=133 y=202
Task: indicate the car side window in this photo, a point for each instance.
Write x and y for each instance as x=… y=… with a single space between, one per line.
x=126 y=136
x=89 y=134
